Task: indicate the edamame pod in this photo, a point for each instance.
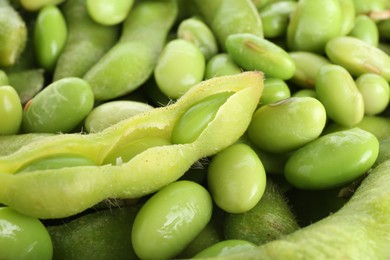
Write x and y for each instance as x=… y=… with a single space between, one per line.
x=11 y=111
x=337 y=91
x=146 y=173
x=130 y=62
x=197 y=32
x=358 y=57
x=86 y=43
x=109 y=12
x=60 y=107
x=180 y=66
x=252 y=52
x=366 y=30
x=236 y=179
x=27 y=82
x=304 y=117
x=13 y=36
x=50 y=33
x=307 y=66
x=224 y=19
x=313 y=24
x=170 y=220
x=332 y=160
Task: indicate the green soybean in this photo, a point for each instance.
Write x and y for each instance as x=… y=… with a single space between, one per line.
x=221 y=64
x=130 y=62
x=275 y=18
x=180 y=66
x=365 y=7
x=375 y=91
x=224 y=19
x=307 y=66
x=57 y=161
x=304 y=117
x=365 y=29
x=50 y=35
x=252 y=52
x=37 y=5
x=170 y=219
x=197 y=32
x=60 y=107
x=3 y=78
x=236 y=179
x=225 y=248
x=348 y=16
x=313 y=24
x=86 y=39
x=358 y=57
x=305 y=93
x=13 y=36
x=274 y=90
x=332 y=160
x=108 y=12
x=112 y=112
x=337 y=91
x=193 y=121
x=11 y=111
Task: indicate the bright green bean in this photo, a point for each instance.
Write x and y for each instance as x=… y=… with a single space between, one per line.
x=348 y=16
x=109 y=12
x=274 y=90
x=38 y=4
x=11 y=111
x=225 y=248
x=221 y=64
x=366 y=30
x=3 y=78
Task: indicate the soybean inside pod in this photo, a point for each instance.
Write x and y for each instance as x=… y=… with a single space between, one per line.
x=62 y=192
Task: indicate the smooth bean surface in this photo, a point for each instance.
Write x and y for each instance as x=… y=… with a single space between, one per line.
x=11 y=111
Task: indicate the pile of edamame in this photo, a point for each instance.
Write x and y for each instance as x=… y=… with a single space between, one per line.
x=176 y=129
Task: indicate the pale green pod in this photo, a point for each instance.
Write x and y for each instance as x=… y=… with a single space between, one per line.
x=307 y=66
x=348 y=16
x=50 y=35
x=332 y=160
x=236 y=179
x=313 y=24
x=108 y=12
x=337 y=91
x=366 y=30
x=197 y=32
x=287 y=125
x=375 y=91
x=252 y=52
x=274 y=90
x=180 y=66
x=221 y=64
x=112 y=112
x=275 y=18
x=358 y=57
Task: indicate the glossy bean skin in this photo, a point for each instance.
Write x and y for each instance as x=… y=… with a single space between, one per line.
x=236 y=179
x=37 y=5
x=221 y=64
x=358 y=57
x=274 y=90
x=170 y=219
x=224 y=20
x=225 y=248
x=23 y=237
x=252 y=52
x=109 y=12
x=112 y=112
x=86 y=38
x=375 y=91
x=196 y=31
x=191 y=124
x=307 y=66
x=180 y=66
x=365 y=29
x=332 y=160
x=60 y=107
x=337 y=91
x=11 y=111
x=3 y=78
x=310 y=27
x=348 y=11
x=50 y=34
x=364 y=7
x=275 y=18
x=305 y=118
